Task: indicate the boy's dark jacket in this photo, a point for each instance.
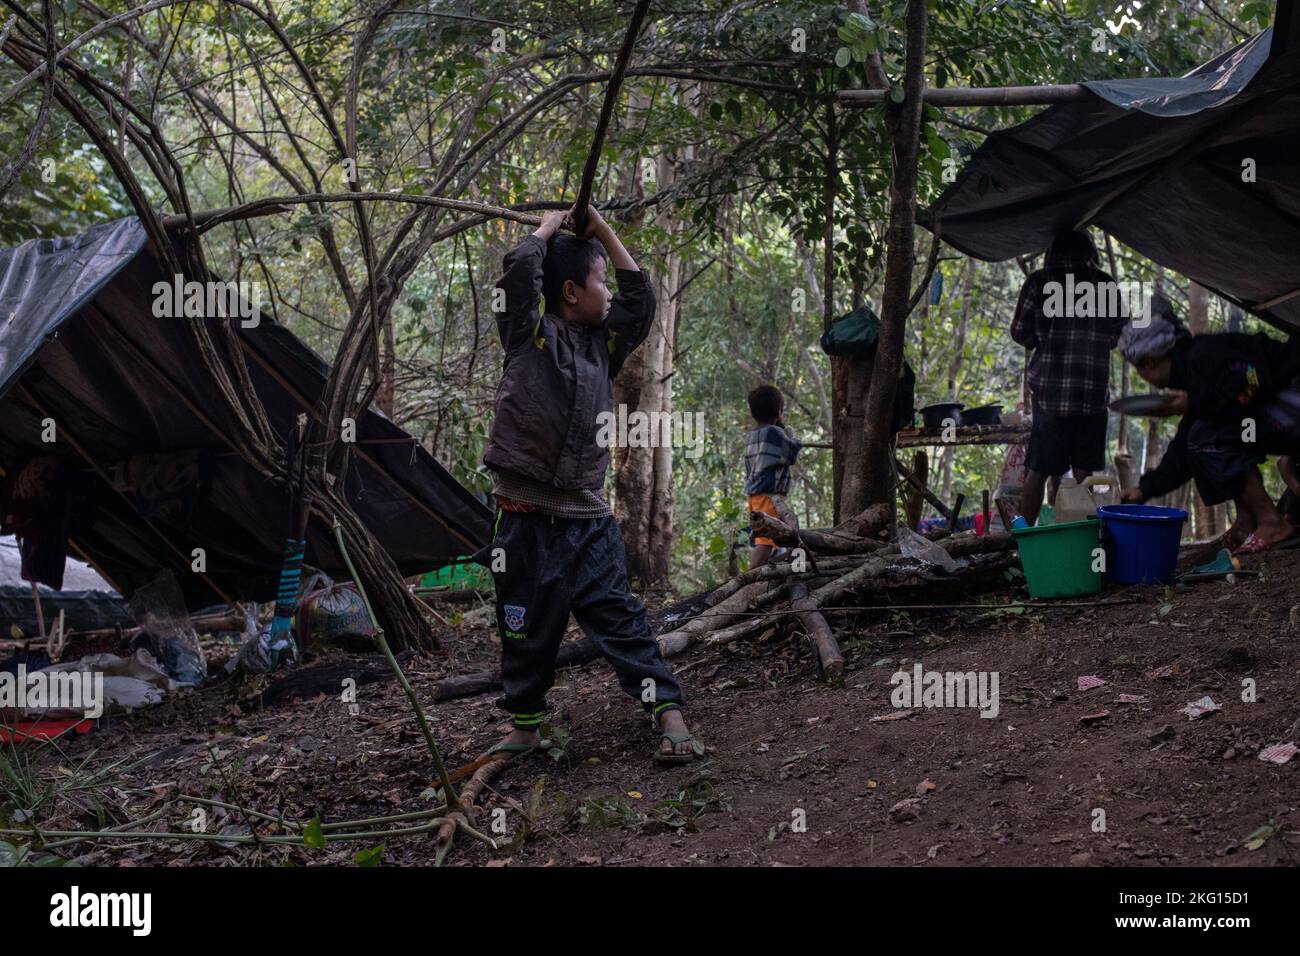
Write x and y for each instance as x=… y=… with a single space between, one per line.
x=558 y=375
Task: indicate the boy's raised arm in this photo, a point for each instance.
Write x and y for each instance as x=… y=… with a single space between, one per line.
x=599 y=229
x=632 y=311
x=522 y=283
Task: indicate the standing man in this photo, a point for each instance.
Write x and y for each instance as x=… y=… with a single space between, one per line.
x=1070 y=314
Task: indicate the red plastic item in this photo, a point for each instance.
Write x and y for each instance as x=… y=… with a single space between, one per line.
x=34 y=731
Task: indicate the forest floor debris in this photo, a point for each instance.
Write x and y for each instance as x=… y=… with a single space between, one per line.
x=797 y=771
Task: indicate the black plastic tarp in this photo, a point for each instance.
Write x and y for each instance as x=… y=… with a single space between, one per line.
x=1165 y=166
x=79 y=343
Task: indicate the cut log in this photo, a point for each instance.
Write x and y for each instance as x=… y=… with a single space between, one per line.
x=720 y=615
x=868 y=524
x=771 y=572
x=572 y=654
x=736 y=632
x=825 y=542
x=960 y=545
x=827 y=650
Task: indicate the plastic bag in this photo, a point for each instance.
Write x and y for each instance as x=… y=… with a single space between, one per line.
x=912 y=545
x=334 y=613
x=267 y=650
x=167 y=633
x=852 y=334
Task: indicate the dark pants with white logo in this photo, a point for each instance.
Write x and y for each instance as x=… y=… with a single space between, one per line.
x=554 y=567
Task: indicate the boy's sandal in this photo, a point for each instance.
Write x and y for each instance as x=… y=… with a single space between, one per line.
x=697 y=749
x=1257 y=545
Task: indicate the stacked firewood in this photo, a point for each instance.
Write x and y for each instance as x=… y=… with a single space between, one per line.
x=823 y=569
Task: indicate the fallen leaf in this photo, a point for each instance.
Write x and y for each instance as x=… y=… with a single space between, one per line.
x=1259 y=837
x=894 y=715
x=925 y=786
x=1093 y=718
x=1089 y=682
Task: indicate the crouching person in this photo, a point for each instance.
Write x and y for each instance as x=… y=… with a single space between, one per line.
x=1239 y=396
x=558 y=549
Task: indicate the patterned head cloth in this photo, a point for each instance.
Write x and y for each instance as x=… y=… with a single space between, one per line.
x=1152 y=340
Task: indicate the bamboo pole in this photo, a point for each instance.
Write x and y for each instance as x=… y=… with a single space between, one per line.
x=976 y=96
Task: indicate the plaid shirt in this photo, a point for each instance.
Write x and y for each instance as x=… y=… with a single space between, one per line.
x=769 y=452
x=1069 y=372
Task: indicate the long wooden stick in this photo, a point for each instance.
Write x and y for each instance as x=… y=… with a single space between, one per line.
x=606 y=114
x=977 y=95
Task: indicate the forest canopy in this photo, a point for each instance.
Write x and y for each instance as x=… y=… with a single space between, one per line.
x=760 y=207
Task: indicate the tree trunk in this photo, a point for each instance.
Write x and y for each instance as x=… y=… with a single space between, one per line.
x=643 y=481
x=849 y=375
x=904 y=125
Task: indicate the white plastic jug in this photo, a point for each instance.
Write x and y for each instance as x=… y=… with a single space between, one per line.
x=1076 y=501
x=1109 y=493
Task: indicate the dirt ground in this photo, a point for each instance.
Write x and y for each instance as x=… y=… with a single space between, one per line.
x=797 y=772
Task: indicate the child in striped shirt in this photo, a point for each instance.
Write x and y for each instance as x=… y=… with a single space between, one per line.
x=770 y=450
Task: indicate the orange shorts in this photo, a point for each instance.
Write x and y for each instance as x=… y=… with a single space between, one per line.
x=764 y=504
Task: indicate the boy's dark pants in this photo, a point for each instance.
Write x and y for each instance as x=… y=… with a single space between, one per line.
x=554 y=566
x=1220 y=459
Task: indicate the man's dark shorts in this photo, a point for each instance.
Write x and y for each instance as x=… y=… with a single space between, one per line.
x=1060 y=443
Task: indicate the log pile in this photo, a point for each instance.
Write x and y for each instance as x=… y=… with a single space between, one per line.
x=825 y=568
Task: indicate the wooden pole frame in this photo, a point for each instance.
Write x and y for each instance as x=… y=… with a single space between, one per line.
x=975 y=96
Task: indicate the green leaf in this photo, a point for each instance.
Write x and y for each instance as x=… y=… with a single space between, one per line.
x=715 y=110
x=843 y=57
x=371 y=857
x=11 y=855
x=314 y=836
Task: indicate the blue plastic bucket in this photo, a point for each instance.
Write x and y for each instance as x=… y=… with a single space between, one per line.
x=1141 y=542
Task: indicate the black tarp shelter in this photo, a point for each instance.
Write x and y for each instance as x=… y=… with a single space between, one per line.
x=1158 y=163
x=79 y=343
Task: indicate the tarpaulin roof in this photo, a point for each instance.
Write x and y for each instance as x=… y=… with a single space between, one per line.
x=79 y=343
x=1162 y=164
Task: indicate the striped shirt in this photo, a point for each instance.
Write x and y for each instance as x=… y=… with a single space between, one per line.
x=769 y=452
